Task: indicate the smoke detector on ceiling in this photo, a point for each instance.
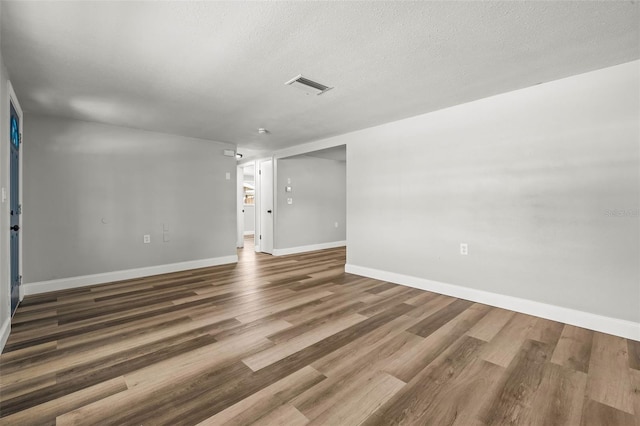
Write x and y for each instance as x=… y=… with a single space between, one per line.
x=309 y=86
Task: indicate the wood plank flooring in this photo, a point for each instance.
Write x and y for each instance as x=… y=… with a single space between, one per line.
x=293 y=340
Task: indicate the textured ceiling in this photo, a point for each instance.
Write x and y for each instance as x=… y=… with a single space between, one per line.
x=216 y=70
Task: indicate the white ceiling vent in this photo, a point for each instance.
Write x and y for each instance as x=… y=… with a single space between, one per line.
x=309 y=86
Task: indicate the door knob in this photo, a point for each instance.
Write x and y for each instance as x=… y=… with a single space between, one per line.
x=268 y=211
x=15 y=228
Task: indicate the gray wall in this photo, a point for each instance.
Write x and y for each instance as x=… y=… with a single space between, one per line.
x=542 y=183
x=319 y=201
x=5 y=300
x=78 y=174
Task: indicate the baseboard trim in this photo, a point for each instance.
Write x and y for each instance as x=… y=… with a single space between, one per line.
x=312 y=247
x=4 y=333
x=615 y=326
x=81 y=281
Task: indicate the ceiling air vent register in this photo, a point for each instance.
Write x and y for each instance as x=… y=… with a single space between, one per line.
x=309 y=86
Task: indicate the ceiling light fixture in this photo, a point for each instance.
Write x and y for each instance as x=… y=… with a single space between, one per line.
x=262 y=131
x=309 y=86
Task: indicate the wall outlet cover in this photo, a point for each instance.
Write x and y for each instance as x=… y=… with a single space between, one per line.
x=146 y=239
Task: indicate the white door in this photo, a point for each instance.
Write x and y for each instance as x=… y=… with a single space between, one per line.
x=266 y=206
x=240 y=206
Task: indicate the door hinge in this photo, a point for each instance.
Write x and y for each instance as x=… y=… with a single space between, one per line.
x=19 y=138
x=20 y=279
x=260 y=236
x=259 y=172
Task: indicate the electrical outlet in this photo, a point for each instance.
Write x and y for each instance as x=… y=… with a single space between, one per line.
x=289 y=200
x=464 y=249
x=146 y=239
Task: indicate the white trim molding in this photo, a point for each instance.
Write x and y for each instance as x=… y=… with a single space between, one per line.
x=4 y=333
x=312 y=247
x=609 y=325
x=85 y=280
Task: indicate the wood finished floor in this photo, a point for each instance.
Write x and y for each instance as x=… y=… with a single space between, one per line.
x=293 y=340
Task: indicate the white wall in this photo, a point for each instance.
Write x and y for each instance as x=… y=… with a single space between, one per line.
x=91 y=191
x=528 y=179
x=319 y=201
x=249 y=219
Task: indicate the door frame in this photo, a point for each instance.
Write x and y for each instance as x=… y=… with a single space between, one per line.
x=240 y=206
x=12 y=98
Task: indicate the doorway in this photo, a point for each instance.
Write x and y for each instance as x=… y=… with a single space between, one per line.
x=246 y=204
x=310 y=200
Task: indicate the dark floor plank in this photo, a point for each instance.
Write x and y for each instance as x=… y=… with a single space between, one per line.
x=414 y=403
x=574 y=348
x=512 y=403
x=430 y=324
x=634 y=354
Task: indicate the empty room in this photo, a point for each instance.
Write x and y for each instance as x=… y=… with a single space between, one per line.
x=320 y=213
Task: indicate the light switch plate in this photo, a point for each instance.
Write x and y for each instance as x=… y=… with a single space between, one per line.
x=227 y=176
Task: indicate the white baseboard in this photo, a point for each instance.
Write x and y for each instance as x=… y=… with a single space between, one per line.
x=81 y=281
x=4 y=333
x=313 y=247
x=249 y=232
x=615 y=326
